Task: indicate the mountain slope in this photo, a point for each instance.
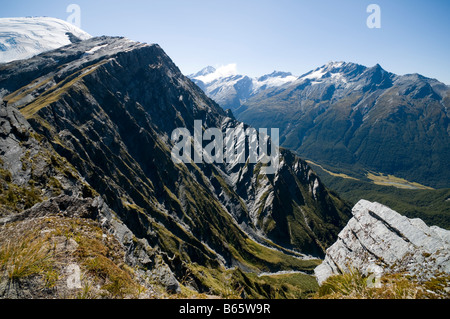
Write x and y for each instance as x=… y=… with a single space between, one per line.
x=355 y=119
x=52 y=222
x=22 y=38
x=109 y=106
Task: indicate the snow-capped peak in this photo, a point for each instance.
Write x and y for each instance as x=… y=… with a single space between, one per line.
x=335 y=64
x=275 y=79
x=274 y=74
x=334 y=71
x=205 y=71
x=22 y=38
x=229 y=89
x=210 y=74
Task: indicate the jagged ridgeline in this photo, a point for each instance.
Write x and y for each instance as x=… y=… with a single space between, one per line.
x=102 y=112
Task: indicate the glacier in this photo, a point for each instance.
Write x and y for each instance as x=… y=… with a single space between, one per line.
x=23 y=38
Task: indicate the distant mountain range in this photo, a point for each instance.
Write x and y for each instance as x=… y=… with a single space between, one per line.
x=350 y=118
x=232 y=90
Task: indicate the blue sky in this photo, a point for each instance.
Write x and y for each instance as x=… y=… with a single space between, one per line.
x=265 y=35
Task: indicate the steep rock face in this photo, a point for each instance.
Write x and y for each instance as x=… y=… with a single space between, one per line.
x=109 y=105
x=41 y=196
x=379 y=240
x=292 y=207
x=30 y=169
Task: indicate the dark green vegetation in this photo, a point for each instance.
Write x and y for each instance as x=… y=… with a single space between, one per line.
x=105 y=120
x=432 y=206
x=357 y=119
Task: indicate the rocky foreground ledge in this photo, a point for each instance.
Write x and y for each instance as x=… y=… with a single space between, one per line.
x=379 y=240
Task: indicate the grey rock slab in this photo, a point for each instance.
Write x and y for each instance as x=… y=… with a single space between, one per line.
x=377 y=236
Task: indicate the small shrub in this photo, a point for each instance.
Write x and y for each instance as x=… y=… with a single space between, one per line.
x=350 y=284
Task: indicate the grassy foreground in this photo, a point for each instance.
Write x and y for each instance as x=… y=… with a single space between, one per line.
x=354 y=285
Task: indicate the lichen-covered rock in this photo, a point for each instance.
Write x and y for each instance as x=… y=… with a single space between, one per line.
x=378 y=239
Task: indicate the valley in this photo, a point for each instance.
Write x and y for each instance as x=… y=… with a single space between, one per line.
x=430 y=205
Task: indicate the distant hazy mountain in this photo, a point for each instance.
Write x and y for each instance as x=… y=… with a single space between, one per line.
x=22 y=38
x=231 y=90
x=354 y=118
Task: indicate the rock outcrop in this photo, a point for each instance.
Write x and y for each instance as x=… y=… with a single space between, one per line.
x=379 y=240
